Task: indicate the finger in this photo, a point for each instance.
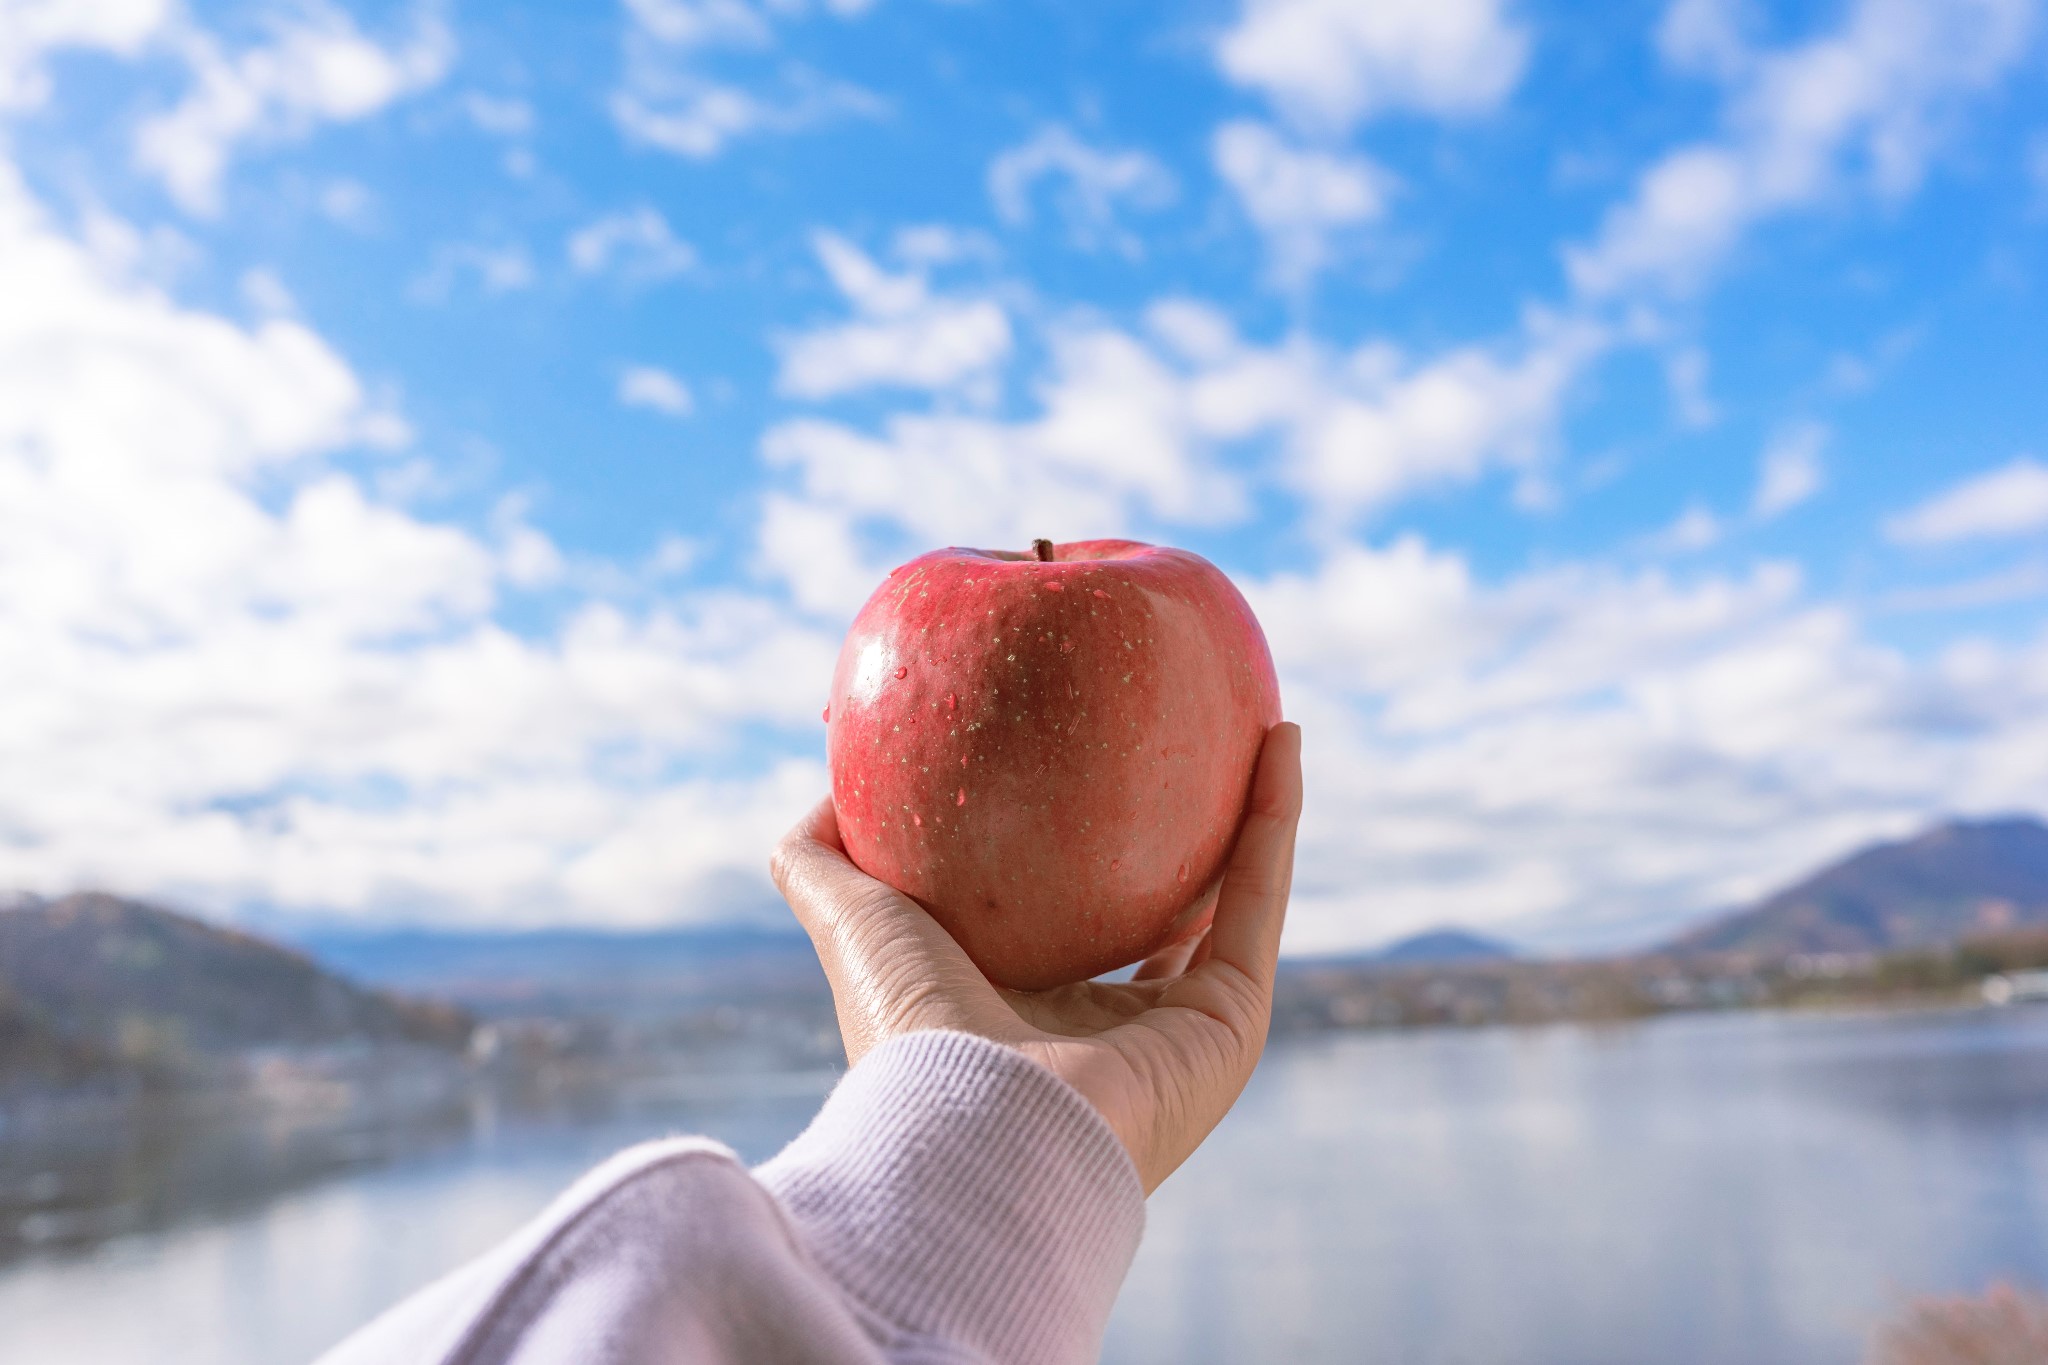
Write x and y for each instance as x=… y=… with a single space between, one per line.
x=1171 y=960
x=890 y=964
x=811 y=869
x=841 y=907
x=1253 y=905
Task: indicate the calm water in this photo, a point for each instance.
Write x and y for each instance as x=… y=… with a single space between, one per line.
x=1751 y=1189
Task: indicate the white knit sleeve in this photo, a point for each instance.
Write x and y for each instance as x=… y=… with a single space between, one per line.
x=952 y=1201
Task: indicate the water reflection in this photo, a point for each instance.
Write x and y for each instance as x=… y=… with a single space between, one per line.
x=1756 y=1188
x=271 y=1256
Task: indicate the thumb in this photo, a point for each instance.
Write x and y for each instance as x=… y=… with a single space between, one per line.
x=1244 y=939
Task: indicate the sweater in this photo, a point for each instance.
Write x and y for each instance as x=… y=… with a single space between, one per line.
x=953 y=1201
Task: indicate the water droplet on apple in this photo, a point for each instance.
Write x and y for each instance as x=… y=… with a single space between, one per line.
x=826 y=714
x=1101 y=594
x=1066 y=646
x=1055 y=586
x=902 y=672
x=1183 y=871
x=951 y=701
x=918 y=820
x=961 y=799
x=1115 y=863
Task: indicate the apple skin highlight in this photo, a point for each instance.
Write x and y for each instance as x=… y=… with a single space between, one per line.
x=1050 y=750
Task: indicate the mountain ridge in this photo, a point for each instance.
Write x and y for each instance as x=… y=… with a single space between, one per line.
x=1949 y=882
x=95 y=983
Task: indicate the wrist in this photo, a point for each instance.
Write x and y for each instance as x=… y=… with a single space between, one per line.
x=1100 y=1075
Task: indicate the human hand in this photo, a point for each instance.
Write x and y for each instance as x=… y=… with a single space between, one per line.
x=1162 y=1057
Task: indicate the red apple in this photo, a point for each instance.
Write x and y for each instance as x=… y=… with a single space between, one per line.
x=1050 y=750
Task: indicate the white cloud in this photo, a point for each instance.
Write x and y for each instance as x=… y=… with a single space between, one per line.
x=903 y=334
x=669 y=100
x=1364 y=428
x=1131 y=436
x=1695 y=529
x=2011 y=500
x=1685 y=374
x=1298 y=197
x=1588 y=757
x=316 y=68
x=673 y=556
x=2022 y=582
x=30 y=29
x=638 y=245
x=696 y=118
x=266 y=293
x=1870 y=102
x=924 y=245
x=1115 y=444
x=702 y=23
x=502 y=269
x=1790 y=471
x=350 y=203
x=653 y=388
x=499 y=115
x=1093 y=181
x=1329 y=63
x=1710 y=37
x=235 y=675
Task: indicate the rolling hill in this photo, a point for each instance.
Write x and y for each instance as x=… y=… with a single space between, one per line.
x=1959 y=879
x=93 y=982
x=1437 y=946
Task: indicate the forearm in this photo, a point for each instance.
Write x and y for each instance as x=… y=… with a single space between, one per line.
x=952 y=1200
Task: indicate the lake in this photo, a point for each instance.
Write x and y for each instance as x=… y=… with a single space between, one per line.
x=1753 y=1188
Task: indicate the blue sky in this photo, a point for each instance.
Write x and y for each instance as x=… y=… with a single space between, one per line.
x=441 y=446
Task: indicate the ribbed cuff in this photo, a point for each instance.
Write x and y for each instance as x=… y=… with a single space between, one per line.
x=960 y=1191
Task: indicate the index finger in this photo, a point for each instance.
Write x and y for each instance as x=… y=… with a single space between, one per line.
x=1252 y=905
x=891 y=966
x=847 y=913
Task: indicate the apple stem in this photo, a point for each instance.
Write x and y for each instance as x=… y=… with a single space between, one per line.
x=1043 y=549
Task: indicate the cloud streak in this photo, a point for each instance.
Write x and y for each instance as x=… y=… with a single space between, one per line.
x=1090 y=184
x=2009 y=501
x=1865 y=105
x=316 y=68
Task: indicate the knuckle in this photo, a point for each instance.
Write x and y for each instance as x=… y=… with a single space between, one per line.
x=783 y=860
x=1245 y=995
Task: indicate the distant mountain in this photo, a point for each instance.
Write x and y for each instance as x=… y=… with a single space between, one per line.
x=1444 y=947
x=1954 y=881
x=93 y=981
x=609 y=971
x=1436 y=946
x=33 y=1049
